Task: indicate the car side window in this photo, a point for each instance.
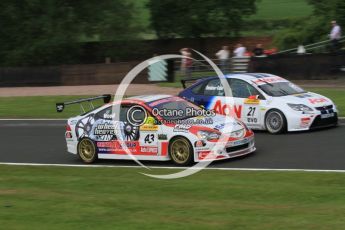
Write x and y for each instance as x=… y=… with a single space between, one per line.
x=214 y=88
x=106 y=113
x=198 y=89
x=242 y=89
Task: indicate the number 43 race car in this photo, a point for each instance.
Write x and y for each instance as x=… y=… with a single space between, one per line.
x=159 y=127
x=264 y=102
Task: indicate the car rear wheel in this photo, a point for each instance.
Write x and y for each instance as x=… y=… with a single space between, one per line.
x=275 y=122
x=87 y=150
x=181 y=151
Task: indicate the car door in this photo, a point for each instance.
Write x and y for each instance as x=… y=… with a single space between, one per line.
x=143 y=136
x=250 y=100
x=211 y=91
x=214 y=92
x=197 y=95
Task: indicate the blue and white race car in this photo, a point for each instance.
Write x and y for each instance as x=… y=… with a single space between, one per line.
x=264 y=102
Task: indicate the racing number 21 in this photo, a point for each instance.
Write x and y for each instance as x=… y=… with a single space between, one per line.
x=251 y=112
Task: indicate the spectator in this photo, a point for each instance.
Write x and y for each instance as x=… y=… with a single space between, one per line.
x=258 y=50
x=301 y=49
x=240 y=50
x=186 y=62
x=335 y=36
x=223 y=56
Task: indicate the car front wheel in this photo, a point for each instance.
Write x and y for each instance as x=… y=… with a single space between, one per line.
x=87 y=150
x=275 y=122
x=181 y=151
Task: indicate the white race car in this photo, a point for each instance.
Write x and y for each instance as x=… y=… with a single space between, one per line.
x=264 y=102
x=159 y=127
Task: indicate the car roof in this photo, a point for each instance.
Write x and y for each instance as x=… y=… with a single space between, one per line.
x=243 y=76
x=149 y=98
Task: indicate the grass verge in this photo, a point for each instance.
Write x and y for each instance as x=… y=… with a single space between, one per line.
x=39 y=107
x=44 y=106
x=118 y=198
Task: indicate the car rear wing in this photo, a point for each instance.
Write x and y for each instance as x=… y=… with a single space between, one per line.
x=191 y=79
x=61 y=106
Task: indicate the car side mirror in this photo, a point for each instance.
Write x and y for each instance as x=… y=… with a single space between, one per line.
x=254 y=97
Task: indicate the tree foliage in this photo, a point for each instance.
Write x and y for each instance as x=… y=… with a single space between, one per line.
x=316 y=28
x=198 y=18
x=49 y=31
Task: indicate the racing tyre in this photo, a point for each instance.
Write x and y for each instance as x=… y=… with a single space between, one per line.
x=181 y=151
x=87 y=151
x=275 y=122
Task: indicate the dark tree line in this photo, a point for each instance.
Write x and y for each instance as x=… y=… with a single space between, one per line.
x=199 y=18
x=49 y=32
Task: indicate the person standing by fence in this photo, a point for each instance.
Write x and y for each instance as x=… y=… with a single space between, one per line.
x=240 y=50
x=186 y=62
x=223 y=56
x=335 y=36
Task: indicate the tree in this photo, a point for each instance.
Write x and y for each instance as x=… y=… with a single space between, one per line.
x=49 y=31
x=316 y=28
x=198 y=18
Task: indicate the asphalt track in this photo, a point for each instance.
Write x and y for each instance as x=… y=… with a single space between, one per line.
x=24 y=141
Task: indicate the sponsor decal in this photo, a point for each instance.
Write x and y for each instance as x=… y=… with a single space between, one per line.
x=266 y=80
x=162 y=137
x=252 y=120
x=305 y=121
x=252 y=101
x=149 y=127
x=106 y=132
x=219 y=87
x=225 y=109
x=317 y=100
x=115 y=147
x=108 y=116
x=182 y=128
x=148 y=149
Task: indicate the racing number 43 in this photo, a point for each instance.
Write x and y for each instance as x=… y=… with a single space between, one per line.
x=150 y=138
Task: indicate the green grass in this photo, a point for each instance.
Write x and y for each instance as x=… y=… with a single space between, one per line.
x=337 y=95
x=44 y=106
x=39 y=107
x=266 y=10
x=281 y=9
x=114 y=198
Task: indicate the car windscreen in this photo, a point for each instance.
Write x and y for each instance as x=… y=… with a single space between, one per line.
x=172 y=109
x=279 y=89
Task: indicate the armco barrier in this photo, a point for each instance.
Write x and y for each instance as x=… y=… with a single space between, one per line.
x=300 y=67
x=93 y=74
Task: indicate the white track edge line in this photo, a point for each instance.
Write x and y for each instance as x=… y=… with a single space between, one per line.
x=52 y=119
x=162 y=167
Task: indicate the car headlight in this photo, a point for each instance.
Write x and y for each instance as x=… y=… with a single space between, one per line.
x=300 y=107
x=237 y=134
x=207 y=135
